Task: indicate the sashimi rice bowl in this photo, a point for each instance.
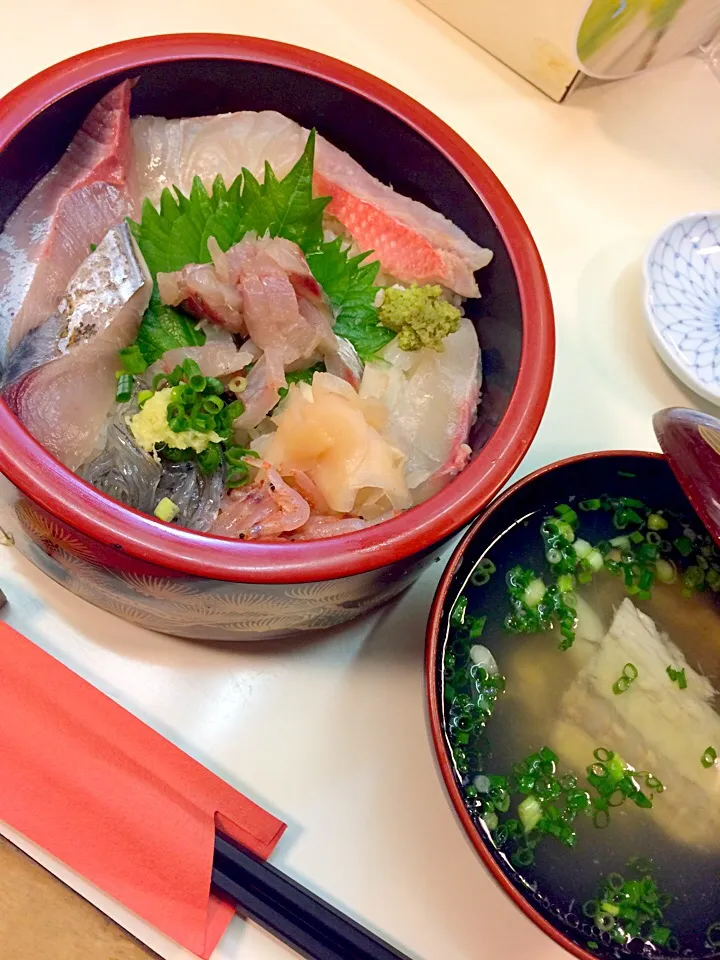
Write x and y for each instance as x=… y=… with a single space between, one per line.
x=225 y=322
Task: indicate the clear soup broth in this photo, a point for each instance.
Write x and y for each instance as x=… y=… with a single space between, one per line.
x=578 y=680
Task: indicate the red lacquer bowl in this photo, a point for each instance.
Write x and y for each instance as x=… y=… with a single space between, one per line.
x=646 y=476
x=201 y=586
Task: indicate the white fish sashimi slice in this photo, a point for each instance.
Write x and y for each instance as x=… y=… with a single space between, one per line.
x=411 y=241
x=431 y=399
x=172 y=152
x=75 y=204
x=62 y=375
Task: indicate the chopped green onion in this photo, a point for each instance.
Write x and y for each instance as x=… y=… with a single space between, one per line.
x=132 y=359
x=212 y=404
x=582 y=548
x=665 y=570
x=630 y=673
x=712 y=934
x=179 y=424
x=166 y=510
x=143 y=397
x=482 y=572
x=191 y=368
x=709 y=758
x=214 y=386
x=202 y=422
x=684 y=546
x=237 y=384
x=457 y=617
x=124 y=388
x=566 y=583
x=566 y=513
x=678 y=676
x=158 y=379
x=604 y=922
x=233 y=410
x=590 y=505
x=237 y=476
x=594 y=561
x=534 y=592
x=208 y=460
x=236 y=455
x=477 y=625
x=530 y=812
x=657 y=522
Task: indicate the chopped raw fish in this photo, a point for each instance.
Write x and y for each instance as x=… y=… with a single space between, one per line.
x=261 y=393
x=279 y=304
x=656 y=727
x=411 y=241
x=266 y=508
x=215 y=358
x=172 y=152
x=203 y=295
x=345 y=363
x=334 y=437
x=431 y=400
x=263 y=287
x=284 y=307
x=60 y=379
x=48 y=236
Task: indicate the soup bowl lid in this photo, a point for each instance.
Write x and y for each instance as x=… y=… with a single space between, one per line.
x=691 y=442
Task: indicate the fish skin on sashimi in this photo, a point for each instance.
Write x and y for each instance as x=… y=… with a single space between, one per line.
x=411 y=241
x=48 y=236
x=62 y=385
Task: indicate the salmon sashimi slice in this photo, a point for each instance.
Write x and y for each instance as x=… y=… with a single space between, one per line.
x=49 y=235
x=412 y=242
x=60 y=380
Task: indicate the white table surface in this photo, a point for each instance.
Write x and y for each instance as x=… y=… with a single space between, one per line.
x=331 y=734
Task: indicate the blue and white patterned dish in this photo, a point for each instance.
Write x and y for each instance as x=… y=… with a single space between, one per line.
x=682 y=300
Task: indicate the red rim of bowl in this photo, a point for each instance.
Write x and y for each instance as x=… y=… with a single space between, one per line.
x=42 y=478
x=436 y=727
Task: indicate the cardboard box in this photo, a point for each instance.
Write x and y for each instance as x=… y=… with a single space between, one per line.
x=555 y=43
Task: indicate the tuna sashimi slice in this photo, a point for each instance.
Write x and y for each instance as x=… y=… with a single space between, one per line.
x=60 y=380
x=75 y=204
x=412 y=242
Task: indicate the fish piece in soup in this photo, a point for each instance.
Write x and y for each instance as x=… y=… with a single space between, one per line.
x=655 y=726
x=74 y=205
x=60 y=379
